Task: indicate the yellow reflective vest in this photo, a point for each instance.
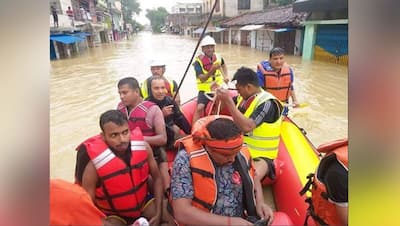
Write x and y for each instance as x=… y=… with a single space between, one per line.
x=262 y=141
x=206 y=85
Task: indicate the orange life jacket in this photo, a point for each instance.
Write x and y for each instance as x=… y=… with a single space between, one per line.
x=70 y=204
x=321 y=209
x=137 y=117
x=203 y=174
x=278 y=84
x=203 y=170
x=123 y=187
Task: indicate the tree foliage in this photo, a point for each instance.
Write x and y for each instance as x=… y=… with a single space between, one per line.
x=157 y=18
x=130 y=7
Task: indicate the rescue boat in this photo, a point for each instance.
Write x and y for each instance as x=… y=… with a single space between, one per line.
x=297 y=157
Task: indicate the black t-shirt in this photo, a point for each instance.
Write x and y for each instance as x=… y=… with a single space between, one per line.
x=336 y=182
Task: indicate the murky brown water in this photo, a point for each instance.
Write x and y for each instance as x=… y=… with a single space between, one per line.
x=83 y=87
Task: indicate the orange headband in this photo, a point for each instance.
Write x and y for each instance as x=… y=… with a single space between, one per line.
x=225 y=147
x=201 y=136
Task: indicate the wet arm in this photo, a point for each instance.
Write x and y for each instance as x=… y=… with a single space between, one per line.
x=89 y=180
x=245 y=124
x=199 y=72
x=263 y=210
x=292 y=92
x=158 y=124
x=294 y=98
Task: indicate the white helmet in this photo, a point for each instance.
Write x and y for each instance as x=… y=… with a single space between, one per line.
x=207 y=40
x=155 y=63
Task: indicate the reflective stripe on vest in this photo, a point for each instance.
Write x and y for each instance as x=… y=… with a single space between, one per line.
x=137 y=117
x=205 y=86
x=322 y=207
x=278 y=84
x=262 y=141
x=123 y=188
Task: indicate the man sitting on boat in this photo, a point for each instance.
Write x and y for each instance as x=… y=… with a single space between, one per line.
x=210 y=68
x=258 y=114
x=157 y=68
x=171 y=111
x=114 y=168
x=213 y=177
x=148 y=117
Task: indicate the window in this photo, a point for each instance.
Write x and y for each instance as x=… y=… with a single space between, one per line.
x=243 y=4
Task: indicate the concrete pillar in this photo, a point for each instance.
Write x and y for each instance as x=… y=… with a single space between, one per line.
x=253 y=35
x=230 y=36
x=76 y=47
x=67 y=47
x=56 y=50
x=310 y=35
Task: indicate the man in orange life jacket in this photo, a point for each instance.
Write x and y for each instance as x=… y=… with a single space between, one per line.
x=329 y=186
x=114 y=167
x=210 y=69
x=276 y=77
x=258 y=114
x=148 y=117
x=213 y=177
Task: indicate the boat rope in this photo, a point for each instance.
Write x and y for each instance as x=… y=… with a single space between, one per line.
x=195 y=49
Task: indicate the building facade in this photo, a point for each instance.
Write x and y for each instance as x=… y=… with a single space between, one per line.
x=185 y=18
x=326 y=30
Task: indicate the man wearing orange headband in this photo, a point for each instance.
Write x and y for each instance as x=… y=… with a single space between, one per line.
x=213 y=177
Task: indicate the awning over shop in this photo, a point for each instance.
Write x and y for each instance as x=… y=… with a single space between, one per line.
x=81 y=34
x=252 y=27
x=209 y=30
x=280 y=29
x=66 y=39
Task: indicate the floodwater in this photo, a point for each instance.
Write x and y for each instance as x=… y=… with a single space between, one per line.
x=84 y=86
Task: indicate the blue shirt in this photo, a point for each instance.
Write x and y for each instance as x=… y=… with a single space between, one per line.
x=229 y=198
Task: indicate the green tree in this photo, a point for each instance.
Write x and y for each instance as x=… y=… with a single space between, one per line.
x=130 y=7
x=157 y=18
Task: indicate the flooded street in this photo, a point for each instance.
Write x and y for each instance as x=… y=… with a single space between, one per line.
x=83 y=87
